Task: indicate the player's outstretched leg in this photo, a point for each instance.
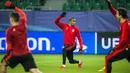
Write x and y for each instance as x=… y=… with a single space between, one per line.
x=64 y=53
x=71 y=58
x=108 y=65
x=3 y=67
x=34 y=70
x=112 y=58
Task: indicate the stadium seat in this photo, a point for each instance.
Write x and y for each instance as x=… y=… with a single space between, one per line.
x=121 y=0
x=97 y=6
x=92 y=2
x=122 y=3
x=21 y=4
x=127 y=1
x=117 y=5
x=80 y=1
x=26 y=2
x=75 y=6
x=2 y=5
x=97 y=1
x=66 y=6
x=32 y=5
x=104 y=5
x=127 y=6
x=86 y=6
x=71 y=1
x=114 y=1
x=33 y=2
x=14 y=1
x=42 y=2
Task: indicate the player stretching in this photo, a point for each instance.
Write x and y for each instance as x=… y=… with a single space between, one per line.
x=16 y=39
x=70 y=34
x=122 y=50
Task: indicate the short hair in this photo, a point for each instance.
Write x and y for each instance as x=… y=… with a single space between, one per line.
x=72 y=18
x=15 y=16
x=123 y=12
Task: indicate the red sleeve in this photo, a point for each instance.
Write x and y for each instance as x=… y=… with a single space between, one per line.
x=80 y=39
x=58 y=23
x=112 y=9
x=8 y=41
x=123 y=37
x=22 y=15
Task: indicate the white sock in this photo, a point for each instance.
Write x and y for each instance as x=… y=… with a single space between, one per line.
x=63 y=65
x=79 y=61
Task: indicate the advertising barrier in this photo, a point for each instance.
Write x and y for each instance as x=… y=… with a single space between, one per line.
x=52 y=42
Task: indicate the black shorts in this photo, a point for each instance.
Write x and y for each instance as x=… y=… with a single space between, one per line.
x=26 y=61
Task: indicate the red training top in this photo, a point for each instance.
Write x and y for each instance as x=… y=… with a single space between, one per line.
x=16 y=38
x=124 y=31
x=70 y=32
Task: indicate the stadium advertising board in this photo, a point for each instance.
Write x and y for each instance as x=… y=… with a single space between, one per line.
x=106 y=41
x=52 y=42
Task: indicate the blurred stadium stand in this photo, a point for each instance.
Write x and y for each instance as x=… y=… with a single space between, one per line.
x=73 y=5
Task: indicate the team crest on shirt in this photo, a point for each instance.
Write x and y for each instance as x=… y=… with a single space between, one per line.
x=73 y=30
x=14 y=29
x=66 y=28
x=129 y=23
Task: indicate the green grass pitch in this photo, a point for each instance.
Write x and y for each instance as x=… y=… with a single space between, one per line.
x=50 y=63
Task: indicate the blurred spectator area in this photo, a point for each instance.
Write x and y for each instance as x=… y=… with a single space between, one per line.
x=24 y=4
x=72 y=5
x=94 y=4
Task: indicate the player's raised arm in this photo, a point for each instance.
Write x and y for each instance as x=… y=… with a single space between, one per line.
x=19 y=11
x=57 y=21
x=112 y=9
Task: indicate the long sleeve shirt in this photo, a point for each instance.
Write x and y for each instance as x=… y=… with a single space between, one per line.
x=70 y=32
x=124 y=37
x=16 y=38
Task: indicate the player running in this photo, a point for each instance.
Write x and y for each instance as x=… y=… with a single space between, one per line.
x=70 y=34
x=122 y=50
x=16 y=39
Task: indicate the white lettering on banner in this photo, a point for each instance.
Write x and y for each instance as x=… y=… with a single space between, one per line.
x=40 y=40
x=115 y=41
x=34 y=45
x=2 y=39
x=103 y=43
x=111 y=42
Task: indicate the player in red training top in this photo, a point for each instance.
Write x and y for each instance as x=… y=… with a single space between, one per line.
x=70 y=34
x=16 y=39
x=122 y=50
